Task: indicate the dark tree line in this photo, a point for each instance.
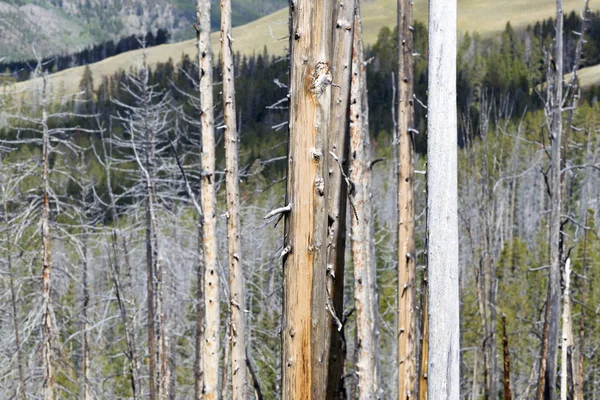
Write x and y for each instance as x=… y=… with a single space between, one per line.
x=21 y=70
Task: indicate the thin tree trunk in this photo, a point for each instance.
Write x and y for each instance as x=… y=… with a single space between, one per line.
x=305 y=353
x=13 y=299
x=567 y=334
x=544 y=355
x=365 y=295
x=128 y=324
x=85 y=347
x=407 y=357
x=237 y=328
x=578 y=387
x=47 y=329
x=199 y=362
x=555 y=220
x=424 y=348
x=211 y=345
x=442 y=230
x=507 y=392
x=337 y=201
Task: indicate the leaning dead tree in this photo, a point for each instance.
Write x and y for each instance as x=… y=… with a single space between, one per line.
x=442 y=220
x=305 y=353
x=363 y=257
x=237 y=306
x=407 y=327
x=210 y=345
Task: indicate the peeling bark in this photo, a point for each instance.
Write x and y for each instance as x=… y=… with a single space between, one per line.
x=305 y=352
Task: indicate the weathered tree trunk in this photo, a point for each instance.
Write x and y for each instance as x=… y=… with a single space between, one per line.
x=47 y=329
x=128 y=323
x=424 y=348
x=507 y=392
x=198 y=361
x=337 y=200
x=407 y=327
x=85 y=346
x=365 y=294
x=555 y=209
x=237 y=328
x=13 y=297
x=544 y=355
x=442 y=230
x=305 y=353
x=211 y=346
x=151 y=244
x=567 y=335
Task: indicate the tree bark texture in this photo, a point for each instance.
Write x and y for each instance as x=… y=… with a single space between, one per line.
x=507 y=392
x=407 y=327
x=13 y=298
x=207 y=193
x=442 y=230
x=567 y=336
x=555 y=209
x=365 y=294
x=237 y=307
x=305 y=352
x=337 y=200
x=47 y=328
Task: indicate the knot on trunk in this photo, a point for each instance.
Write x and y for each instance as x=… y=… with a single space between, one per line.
x=320 y=79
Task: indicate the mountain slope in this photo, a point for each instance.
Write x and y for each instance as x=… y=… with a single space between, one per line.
x=483 y=16
x=56 y=26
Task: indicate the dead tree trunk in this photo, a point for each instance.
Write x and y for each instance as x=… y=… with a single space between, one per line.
x=567 y=336
x=338 y=193
x=47 y=329
x=407 y=327
x=237 y=328
x=85 y=346
x=13 y=298
x=365 y=294
x=198 y=362
x=211 y=346
x=424 y=348
x=507 y=392
x=442 y=230
x=128 y=323
x=555 y=221
x=305 y=353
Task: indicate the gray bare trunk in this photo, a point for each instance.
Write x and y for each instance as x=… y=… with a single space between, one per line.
x=365 y=294
x=555 y=209
x=237 y=307
x=442 y=229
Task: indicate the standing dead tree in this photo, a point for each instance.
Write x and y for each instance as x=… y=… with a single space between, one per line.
x=442 y=219
x=237 y=306
x=337 y=199
x=365 y=293
x=407 y=327
x=210 y=351
x=305 y=352
x=555 y=79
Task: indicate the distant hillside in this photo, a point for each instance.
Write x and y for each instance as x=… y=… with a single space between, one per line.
x=56 y=26
x=483 y=16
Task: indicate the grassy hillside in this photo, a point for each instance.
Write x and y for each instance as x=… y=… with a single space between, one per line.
x=484 y=16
